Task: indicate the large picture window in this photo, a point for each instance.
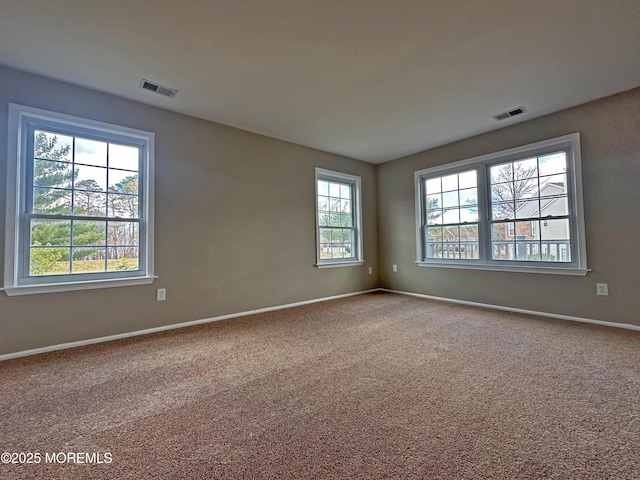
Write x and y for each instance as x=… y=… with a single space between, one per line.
x=516 y=210
x=338 y=229
x=80 y=213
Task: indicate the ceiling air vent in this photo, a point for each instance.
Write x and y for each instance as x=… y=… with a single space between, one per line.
x=509 y=114
x=157 y=88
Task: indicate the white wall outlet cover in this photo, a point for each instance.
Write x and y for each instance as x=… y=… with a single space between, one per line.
x=602 y=289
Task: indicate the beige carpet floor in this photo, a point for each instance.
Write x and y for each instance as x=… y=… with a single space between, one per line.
x=369 y=387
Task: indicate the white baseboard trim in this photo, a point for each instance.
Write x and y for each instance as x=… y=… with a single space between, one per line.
x=627 y=326
x=109 y=338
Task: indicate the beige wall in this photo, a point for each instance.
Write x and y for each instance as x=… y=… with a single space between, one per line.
x=610 y=138
x=235 y=224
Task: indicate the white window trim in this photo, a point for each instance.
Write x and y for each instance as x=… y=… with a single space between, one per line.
x=18 y=115
x=341 y=177
x=570 y=141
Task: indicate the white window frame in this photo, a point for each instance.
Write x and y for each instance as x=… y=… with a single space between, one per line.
x=355 y=182
x=18 y=282
x=569 y=143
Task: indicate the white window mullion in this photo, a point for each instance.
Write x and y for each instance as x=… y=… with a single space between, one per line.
x=484 y=213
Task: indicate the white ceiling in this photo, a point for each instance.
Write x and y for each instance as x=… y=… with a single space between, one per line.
x=370 y=79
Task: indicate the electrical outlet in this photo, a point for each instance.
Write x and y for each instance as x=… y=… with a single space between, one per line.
x=161 y=294
x=395 y=268
x=370 y=270
x=602 y=289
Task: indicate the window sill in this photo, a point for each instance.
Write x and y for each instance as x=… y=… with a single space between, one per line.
x=73 y=286
x=578 y=272
x=353 y=263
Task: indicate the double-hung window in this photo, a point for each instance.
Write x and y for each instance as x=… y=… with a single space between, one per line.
x=515 y=210
x=79 y=204
x=338 y=224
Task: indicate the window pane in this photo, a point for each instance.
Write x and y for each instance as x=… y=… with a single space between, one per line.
x=535 y=229
x=434 y=202
x=451 y=216
x=50 y=232
x=345 y=191
x=468 y=179
x=434 y=217
x=51 y=201
x=345 y=206
x=450 y=234
x=334 y=189
x=553 y=184
x=527 y=209
x=334 y=204
x=469 y=196
x=450 y=182
x=503 y=250
x=333 y=220
x=469 y=214
x=553 y=163
x=434 y=234
x=87 y=203
x=48 y=261
x=347 y=236
x=89 y=233
x=555 y=230
x=555 y=240
x=433 y=185
x=450 y=199
x=323 y=204
x=52 y=174
x=123 y=206
x=323 y=188
x=469 y=233
x=502 y=192
x=525 y=169
x=88 y=259
x=90 y=178
x=123 y=233
x=501 y=173
x=324 y=219
x=123 y=182
x=90 y=152
x=533 y=252
x=123 y=259
x=502 y=211
x=555 y=206
x=525 y=189
x=52 y=146
x=501 y=231
x=434 y=250
x=124 y=157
